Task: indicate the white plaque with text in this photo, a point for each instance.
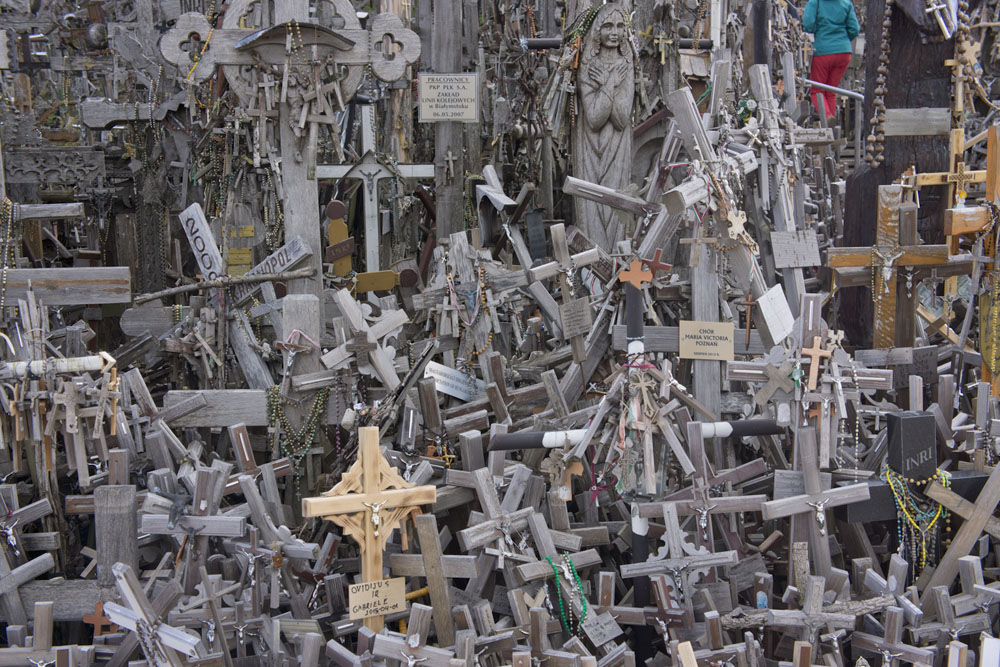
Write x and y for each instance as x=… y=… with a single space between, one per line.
x=448 y=97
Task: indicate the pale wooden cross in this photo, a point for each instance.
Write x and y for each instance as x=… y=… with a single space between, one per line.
x=777 y=378
x=370 y=502
x=895 y=585
x=967 y=535
x=811 y=616
x=161 y=643
x=949 y=624
x=575 y=315
x=815 y=353
x=683 y=560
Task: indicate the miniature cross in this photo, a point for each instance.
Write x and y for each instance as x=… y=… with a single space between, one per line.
x=815 y=353
x=450 y=158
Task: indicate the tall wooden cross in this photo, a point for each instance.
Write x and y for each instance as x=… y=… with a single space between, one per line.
x=370 y=502
x=575 y=315
x=815 y=501
x=371 y=171
x=888 y=254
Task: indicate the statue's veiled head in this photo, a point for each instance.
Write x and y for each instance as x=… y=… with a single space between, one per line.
x=609 y=30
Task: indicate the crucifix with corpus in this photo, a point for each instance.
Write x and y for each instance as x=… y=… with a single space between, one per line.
x=370 y=502
x=890 y=252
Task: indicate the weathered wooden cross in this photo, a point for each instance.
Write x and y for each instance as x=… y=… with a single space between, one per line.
x=890 y=252
x=370 y=502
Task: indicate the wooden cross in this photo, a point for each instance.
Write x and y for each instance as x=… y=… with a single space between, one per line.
x=888 y=253
x=815 y=501
x=891 y=647
x=575 y=314
x=371 y=171
x=815 y=353
x=811 y=617
x=967 y=535
x=100 y=621
x=161 y=643
x=960 y=178
x=366 y=339
x=949 y=624
x=369 y=503
x=895 y=585
x=684 y=560
x=635 y=275
x=777 y=378
x=12 y=579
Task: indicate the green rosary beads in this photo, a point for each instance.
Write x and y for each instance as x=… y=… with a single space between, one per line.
x=562 y=608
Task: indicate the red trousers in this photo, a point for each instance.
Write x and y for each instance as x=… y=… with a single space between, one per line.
x=828 y=69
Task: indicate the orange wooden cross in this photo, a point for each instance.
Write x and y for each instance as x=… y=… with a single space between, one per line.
x=635 y=274
x=100 y=621
x=815 y=353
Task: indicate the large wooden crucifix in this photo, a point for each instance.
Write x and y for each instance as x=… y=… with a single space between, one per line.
x=304 y=50
x=891 y=251
x=370 y=502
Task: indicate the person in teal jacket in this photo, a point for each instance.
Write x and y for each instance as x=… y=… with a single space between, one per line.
x=834 y=24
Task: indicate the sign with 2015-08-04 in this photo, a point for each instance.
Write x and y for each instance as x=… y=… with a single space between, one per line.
x=448 y=97
x=377 y=598
x=707 y=340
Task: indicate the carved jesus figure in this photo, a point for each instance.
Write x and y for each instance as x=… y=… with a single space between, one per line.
x=602 y=135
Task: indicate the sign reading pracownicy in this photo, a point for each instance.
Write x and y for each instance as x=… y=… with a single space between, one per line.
x=448 y=97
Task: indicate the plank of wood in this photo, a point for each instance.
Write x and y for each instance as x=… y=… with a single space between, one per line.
x=922 y=122
x=72 y=286
x=440 y=591
x=228 y=407
x=116 y=520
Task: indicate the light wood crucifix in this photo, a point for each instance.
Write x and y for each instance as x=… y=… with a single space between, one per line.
x=370 y=502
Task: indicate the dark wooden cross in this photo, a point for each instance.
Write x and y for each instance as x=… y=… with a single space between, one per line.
x=884 y=258
x=749 y=302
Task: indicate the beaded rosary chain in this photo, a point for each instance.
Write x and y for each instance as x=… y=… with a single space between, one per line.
x=919 y=523
x=562 y=607
x=295 y=444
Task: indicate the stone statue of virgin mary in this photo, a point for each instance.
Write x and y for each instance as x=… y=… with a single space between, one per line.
x=602 y=133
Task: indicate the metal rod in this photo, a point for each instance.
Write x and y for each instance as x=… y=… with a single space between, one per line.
x=839 y=91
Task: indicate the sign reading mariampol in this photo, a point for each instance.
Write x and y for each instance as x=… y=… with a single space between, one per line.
x=707 y=340
x=448 y=97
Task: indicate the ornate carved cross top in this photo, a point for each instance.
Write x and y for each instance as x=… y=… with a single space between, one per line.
x=370 y=502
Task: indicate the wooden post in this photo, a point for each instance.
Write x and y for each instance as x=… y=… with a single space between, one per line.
x=116 y=520
x=449 y=183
